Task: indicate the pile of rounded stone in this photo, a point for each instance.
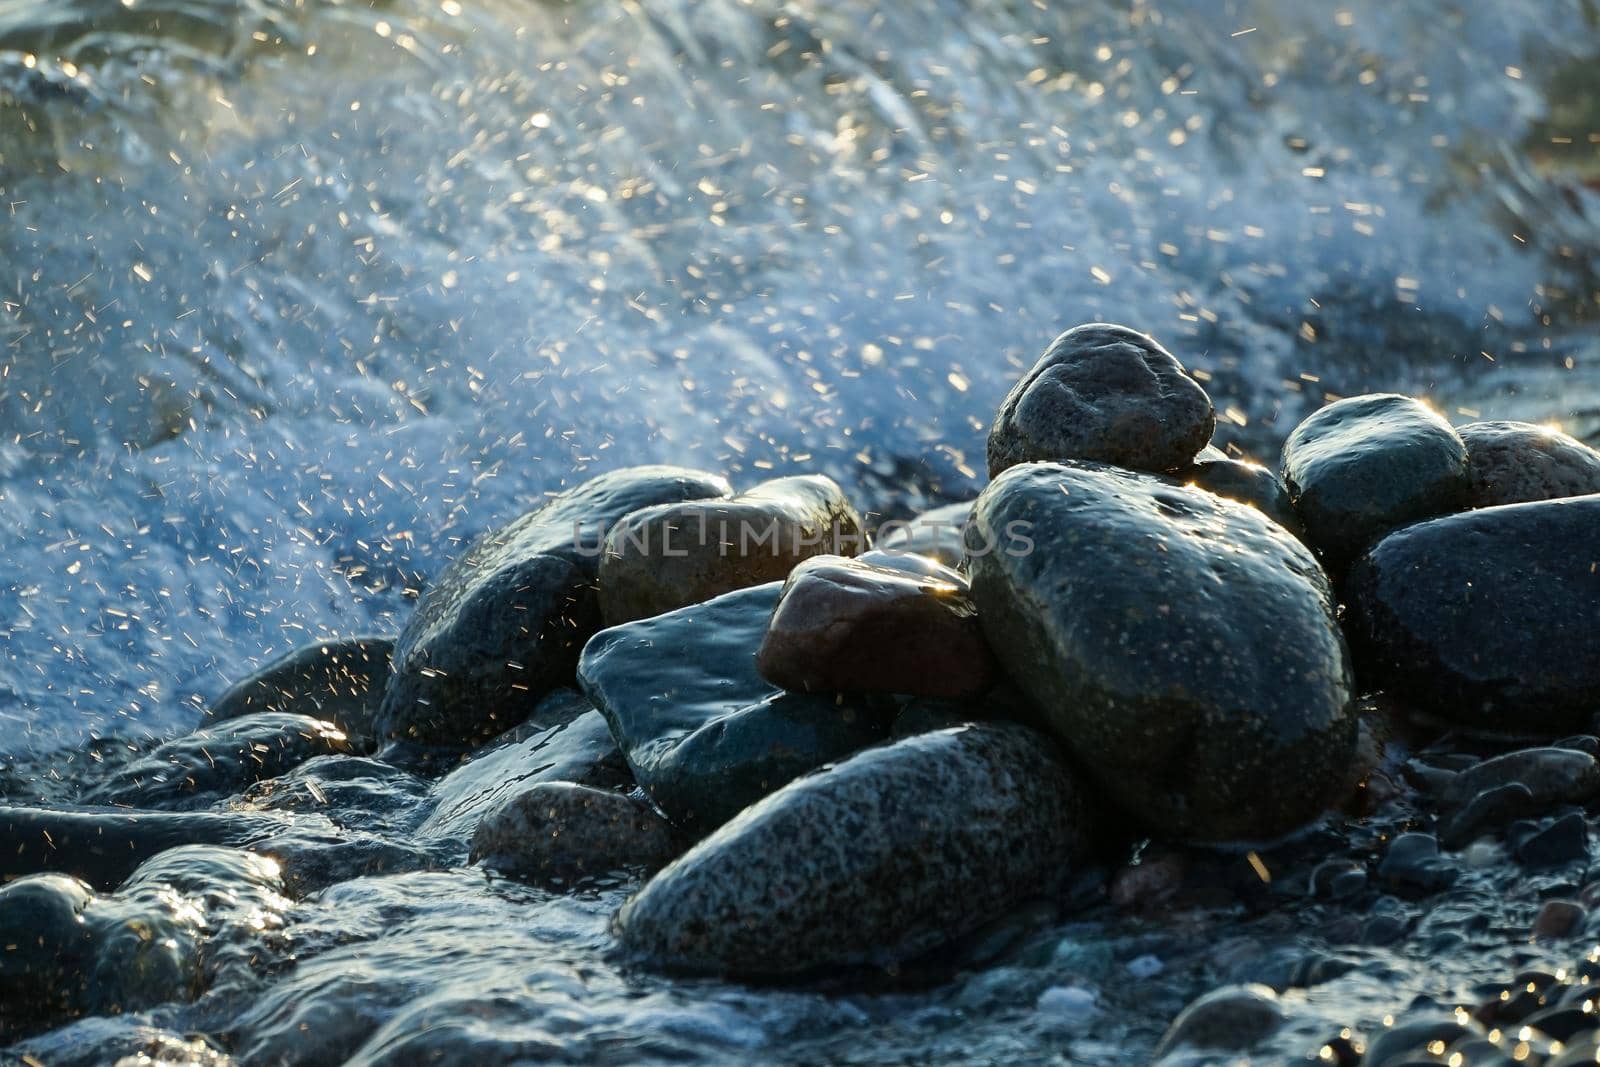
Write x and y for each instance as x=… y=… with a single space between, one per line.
x=844 y=754
x=1133 y=634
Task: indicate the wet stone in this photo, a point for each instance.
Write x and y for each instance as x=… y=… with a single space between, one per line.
x=1386 y=922
x=218 y=761
x=1518 y=462
x=1104 y=393
x=845 y=626
x=1150 y=883
x=356 y=792
x=1564 y=841
x=1491 y=810
x=1551 y=775
x=1413 y=864
x=503 y=624
x=560 y=832
x=121 y=1041
x=339 y=680
x=880 y=858
x=65 y=951
x=670 y=556
x=1580 y=742
x=1230 y=1019
x=1408 y=1039
x=45 y=947
x=913 y=564
x=1562 y=1023
x=316 y=856
x=1338 y=879
x=1485 y=618
x=103 y=846
x=1129 y=580
x=1559 y=918
x=702 y=731
x=1248 y=483
x=580 y=750
x=1363 y=466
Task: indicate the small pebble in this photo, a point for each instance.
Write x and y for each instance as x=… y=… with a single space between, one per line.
x=1146 y=966
x=1559 y=918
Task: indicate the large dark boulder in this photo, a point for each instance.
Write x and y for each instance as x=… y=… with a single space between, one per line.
x=1488 y=618
x=1182 y=646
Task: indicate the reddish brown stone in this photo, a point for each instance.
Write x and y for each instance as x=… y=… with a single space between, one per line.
x=1558 y=918
x=846 y=626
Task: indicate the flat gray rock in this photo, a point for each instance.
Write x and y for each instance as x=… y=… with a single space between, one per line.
x=1366 y=465
x=703 y=732
x=878 y=859
x=1182 y=646
x=1105 y=393
x=504 y=623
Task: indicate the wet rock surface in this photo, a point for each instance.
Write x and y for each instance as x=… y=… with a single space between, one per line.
x=216 y=761
x=504 y=623
x=579 y=749
x=846 y=626
x=66 y=951
x=1550 y=776
x=1518 y=462
x=358 y=792
x=103 y=846
x=558 y=832
x=1248 y=483
x=1485 y=618
x=1365 y=465
x=341 y=681
x=1130 y=582
x=879 y=858
x=703 y=732
x=667 y=557
x=1106 y=393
